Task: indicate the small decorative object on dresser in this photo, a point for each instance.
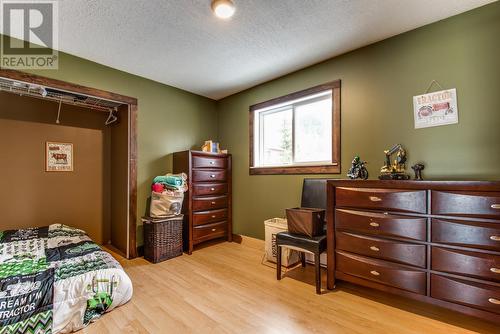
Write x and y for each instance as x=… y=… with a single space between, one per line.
x=358 y=169
x=418 y=168
x=211 y=146
x=432 y=241
x=207 y=205
x=395 y=170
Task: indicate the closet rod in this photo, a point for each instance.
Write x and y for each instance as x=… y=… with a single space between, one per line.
x=55 y=95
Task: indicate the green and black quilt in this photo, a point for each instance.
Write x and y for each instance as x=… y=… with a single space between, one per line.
x=55 y=279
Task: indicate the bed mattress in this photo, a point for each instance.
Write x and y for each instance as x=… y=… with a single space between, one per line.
x=55 y=279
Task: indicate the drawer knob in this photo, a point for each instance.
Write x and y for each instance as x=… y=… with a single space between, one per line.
x=495 y=270
x=213 y=230
x=212 y=189
x=374 y=224
x=374 y=248
x=212 y=176
x=495 y=237
x=375 y=199
x=375 y=273
x=212 y=162
x=213 y=203
x=495 y=206
x=494 y=301
x=213 y=216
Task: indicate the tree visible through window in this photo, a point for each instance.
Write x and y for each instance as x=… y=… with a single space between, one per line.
x=296 y=131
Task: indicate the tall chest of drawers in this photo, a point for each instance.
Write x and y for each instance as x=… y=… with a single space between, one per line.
x=437 y=242
x=207 y=204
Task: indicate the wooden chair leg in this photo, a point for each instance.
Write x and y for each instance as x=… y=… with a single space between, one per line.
x=303 y=259
x=317 y=263
x=278 y=262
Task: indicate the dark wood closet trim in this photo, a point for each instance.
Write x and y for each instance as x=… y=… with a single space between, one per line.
x=63 y=85
x=334 y=167
x=132 y=145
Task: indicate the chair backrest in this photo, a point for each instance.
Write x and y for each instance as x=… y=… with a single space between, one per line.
x=314 y=193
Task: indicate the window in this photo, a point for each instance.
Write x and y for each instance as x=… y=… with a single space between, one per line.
x=297 y=133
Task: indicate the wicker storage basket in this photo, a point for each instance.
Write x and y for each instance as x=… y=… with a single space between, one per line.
x=162 y=238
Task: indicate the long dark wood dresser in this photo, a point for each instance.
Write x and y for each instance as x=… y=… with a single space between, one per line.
x=433 y=241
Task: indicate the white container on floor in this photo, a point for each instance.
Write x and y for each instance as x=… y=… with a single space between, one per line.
x=273 y=226
x=322 y=258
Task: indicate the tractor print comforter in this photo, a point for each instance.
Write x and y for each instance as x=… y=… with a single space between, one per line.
x=54 y=279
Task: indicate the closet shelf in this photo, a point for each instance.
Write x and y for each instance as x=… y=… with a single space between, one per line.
x=57 y=95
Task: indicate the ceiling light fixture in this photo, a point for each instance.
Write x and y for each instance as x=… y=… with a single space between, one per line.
x=223 y=9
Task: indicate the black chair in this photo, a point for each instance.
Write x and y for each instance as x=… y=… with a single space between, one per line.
x=313 y=196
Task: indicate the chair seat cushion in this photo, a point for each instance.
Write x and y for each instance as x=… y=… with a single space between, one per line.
x=315 y=245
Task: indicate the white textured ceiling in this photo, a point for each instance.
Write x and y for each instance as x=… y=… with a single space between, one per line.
x=180 y=42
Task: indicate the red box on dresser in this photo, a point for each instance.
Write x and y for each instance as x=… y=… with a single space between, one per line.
x=433 y=241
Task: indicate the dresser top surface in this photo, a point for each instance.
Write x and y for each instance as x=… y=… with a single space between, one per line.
x=207 y=154
x=412 y=184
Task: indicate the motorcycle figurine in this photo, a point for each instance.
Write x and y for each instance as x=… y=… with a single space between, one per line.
x=358 y=169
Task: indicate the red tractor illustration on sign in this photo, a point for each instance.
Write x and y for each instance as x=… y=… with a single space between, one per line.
x=442 y=109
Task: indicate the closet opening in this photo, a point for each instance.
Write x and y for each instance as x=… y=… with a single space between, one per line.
x=70 y=157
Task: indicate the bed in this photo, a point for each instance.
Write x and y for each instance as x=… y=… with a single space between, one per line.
x=55 y=279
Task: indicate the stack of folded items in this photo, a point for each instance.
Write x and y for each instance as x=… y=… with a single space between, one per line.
x=167 y=195
x=170 y=183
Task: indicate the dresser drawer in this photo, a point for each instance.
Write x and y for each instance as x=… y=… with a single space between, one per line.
x=204 y=217
x=381 y=224
x=470 y=204
x=468 y=234
x=480 y=265
x=382 y=199
x=383 y=272
x=210 y=231
x=209 y=175
x=208 y=203
x=200 y=189
x=209 y=162
x=481 y=296
x=406 y=253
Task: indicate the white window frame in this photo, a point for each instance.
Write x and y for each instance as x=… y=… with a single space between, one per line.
x=292 y=101
x=291 y=105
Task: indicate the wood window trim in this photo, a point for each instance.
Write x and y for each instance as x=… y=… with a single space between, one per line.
x=334 y=167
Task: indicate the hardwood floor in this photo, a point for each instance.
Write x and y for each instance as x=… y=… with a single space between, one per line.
x=224 y=288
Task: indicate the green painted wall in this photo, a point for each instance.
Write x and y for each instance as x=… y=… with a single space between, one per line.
x=169 y=119
x=378 y=83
